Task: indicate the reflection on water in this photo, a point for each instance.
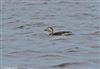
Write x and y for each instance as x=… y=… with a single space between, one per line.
x=25 y=44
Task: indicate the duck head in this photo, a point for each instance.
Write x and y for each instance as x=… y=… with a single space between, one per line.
x=50 y=30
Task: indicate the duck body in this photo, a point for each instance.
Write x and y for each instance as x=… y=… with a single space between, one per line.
x=64 y=33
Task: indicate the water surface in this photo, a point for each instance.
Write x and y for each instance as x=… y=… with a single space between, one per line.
x=25 y=44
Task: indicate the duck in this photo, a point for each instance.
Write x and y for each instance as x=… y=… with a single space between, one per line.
x=51 y=32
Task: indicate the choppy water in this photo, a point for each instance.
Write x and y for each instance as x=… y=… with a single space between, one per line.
x=25 y=44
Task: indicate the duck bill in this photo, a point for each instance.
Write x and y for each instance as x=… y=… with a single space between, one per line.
x=45 y=30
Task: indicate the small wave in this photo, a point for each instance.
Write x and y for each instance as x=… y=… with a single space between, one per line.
x=65 y=65
x=21 y=53
x=76 y=49
x=51 y=55
x=96 y=33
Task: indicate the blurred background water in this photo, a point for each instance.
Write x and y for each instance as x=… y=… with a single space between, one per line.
x=25 y=44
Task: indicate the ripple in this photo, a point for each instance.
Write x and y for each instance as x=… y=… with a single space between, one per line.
x=51 y=55
x=36 y=3
x=58 y=26
x=21 y=53
x=87 y=14
x=96 y=46
x=39 y=24
x=96 y=33
x=7 y=18
x=76 y=49
x=59 y=39
x=21 y=27
x=66 y=64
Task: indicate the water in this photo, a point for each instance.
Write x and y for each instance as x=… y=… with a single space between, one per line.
x=25 y=44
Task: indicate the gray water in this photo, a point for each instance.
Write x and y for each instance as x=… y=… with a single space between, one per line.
x=25 y=44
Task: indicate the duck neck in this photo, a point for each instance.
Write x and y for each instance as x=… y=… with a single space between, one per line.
x=51 y=33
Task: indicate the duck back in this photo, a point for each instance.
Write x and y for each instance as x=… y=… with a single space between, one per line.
x=63 y=33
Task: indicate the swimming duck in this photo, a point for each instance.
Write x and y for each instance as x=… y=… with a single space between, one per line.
x=51 y=32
